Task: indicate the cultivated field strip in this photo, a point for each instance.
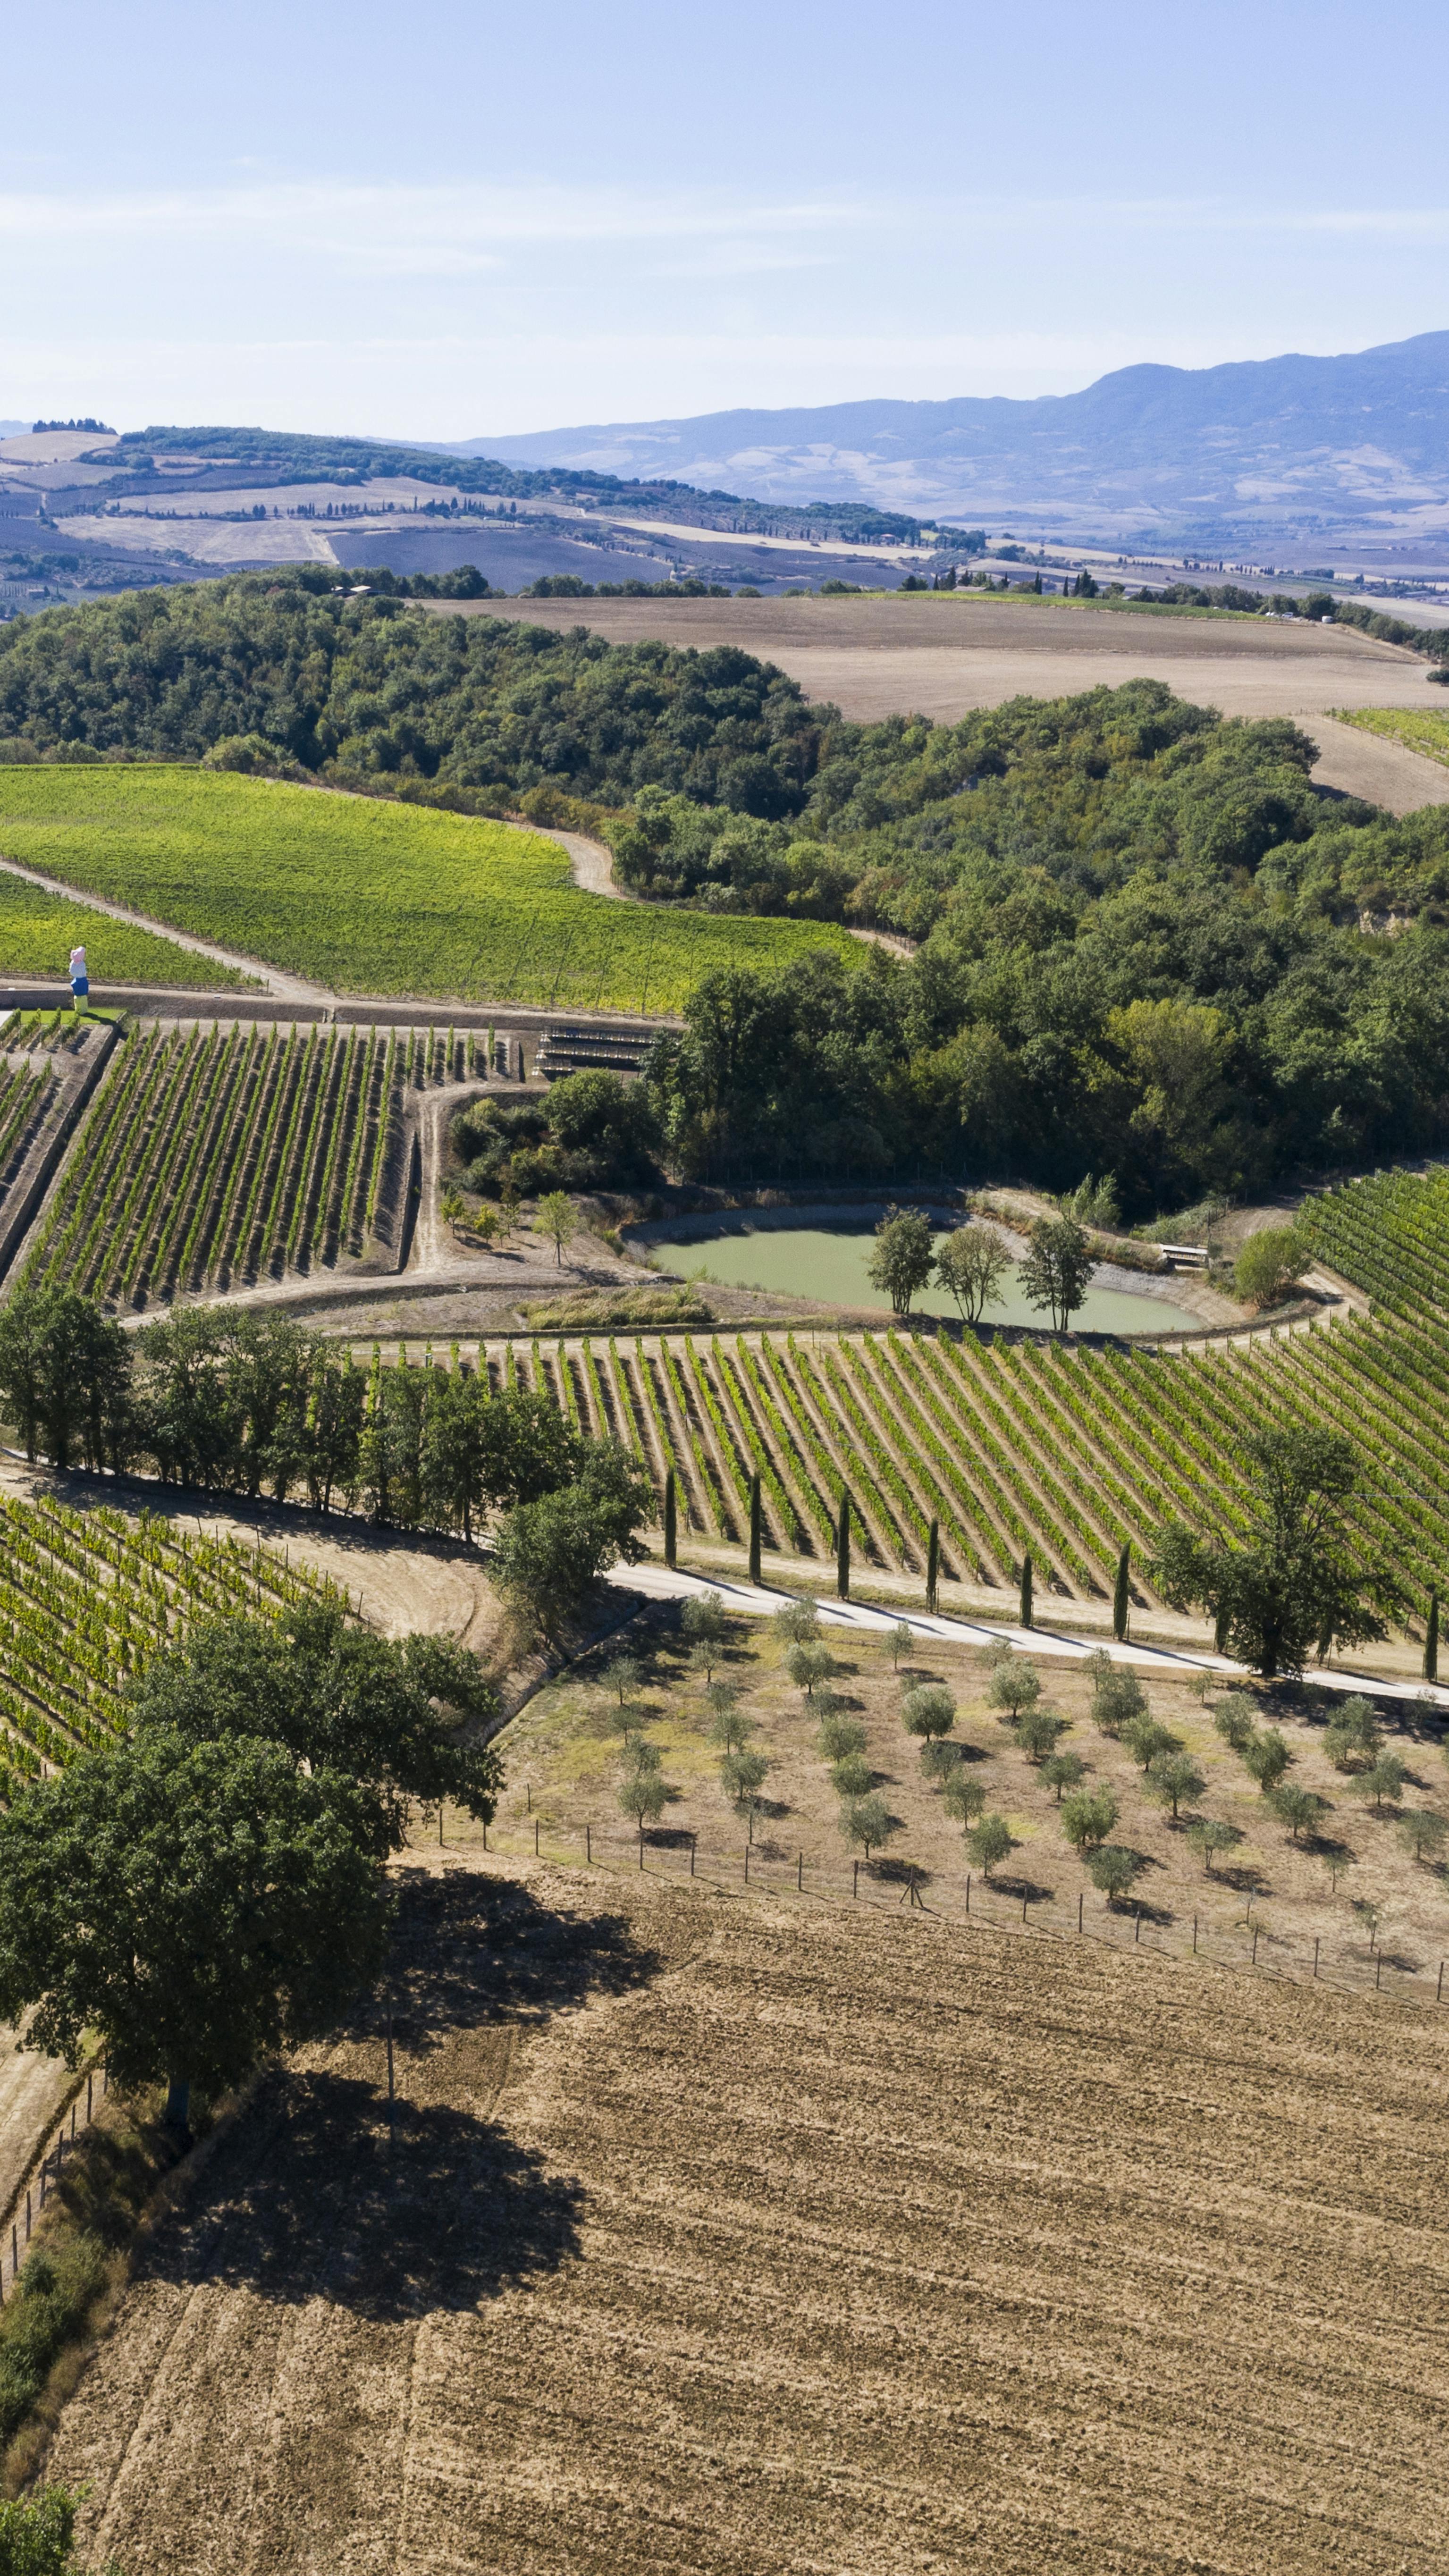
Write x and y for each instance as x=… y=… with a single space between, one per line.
x=1067 y=1452
x=216 y=1158
x=822 y=2240
x=88 y=1598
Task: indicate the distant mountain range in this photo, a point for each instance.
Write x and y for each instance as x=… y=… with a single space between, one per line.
x=1262 y=452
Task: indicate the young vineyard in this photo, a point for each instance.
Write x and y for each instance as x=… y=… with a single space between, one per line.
x=87 y=1599
x=211 y=1159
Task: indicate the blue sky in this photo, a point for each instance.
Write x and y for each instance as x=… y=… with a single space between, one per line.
x=444 y=221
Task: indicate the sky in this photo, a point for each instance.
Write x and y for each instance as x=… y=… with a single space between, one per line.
x=457 y=219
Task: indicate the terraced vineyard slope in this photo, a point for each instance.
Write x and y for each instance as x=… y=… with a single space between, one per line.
x=213 y=1159
x=88 y=1598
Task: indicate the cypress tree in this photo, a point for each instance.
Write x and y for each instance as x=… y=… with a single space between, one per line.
x=671 y=1517
x=842 y=1547
x=755 y=1527
x=933 y=1565
x=1431 y=1640
x=1122 y=1594
x=1026 y=1617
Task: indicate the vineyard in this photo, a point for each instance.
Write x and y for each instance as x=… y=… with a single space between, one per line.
x=1066 y=1452
x=87 y=1599
x=364 y=895
x=39 y=929
x=213 y=1159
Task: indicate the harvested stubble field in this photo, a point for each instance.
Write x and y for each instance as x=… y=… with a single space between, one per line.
x=367 y=896
x=943 y=654
x=733 y=2236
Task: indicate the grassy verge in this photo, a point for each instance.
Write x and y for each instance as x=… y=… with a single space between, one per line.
x=77 y=2265
x=632 y=1309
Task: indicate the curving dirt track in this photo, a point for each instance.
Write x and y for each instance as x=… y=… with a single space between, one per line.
x=727 y=2237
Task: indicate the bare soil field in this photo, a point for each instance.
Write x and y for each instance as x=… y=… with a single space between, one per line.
x=943 y=655
x=733 y=2236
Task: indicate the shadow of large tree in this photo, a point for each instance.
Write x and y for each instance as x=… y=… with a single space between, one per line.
x=314 y=2193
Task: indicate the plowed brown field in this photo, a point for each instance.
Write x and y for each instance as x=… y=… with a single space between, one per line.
x=727 y=2237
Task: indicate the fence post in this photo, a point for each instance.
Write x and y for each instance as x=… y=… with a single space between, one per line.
x=440 y=1824
x=968 y=1891
x=1439 y=1990
x=27 y=2218
x=1378 y=1971
x=1254 y=1960
x=747 y=1864
x=1137 y=1934
x=855 y=1880
x=693 y=1843
x=1079 y=1910
x=1194 y=1936
x=90 y=2079
x=589 y=1845
x=800 y=1871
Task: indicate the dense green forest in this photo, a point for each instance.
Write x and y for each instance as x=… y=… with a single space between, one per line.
x=1149 y=944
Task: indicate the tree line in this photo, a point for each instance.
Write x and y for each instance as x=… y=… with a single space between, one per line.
x=255 y=1405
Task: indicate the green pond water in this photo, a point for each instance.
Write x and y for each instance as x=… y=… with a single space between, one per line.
x=829 y=1262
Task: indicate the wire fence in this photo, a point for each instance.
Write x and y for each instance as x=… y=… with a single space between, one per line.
x=67 y=2130
x=1251 y=1946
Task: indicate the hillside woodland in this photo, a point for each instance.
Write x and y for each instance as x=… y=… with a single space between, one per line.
x=1149 y=944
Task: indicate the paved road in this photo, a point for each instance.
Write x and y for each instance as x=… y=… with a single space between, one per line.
x=758 y=1603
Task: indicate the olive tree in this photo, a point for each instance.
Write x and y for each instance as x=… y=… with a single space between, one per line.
x=702 y=1620
x=1266 y=1759
x=1174 y=1779
x=841 y=1735
x=928 y=1710
x=897 y=1641
x=1063 y=1771
x=1211 y=1835
x=1112 y=1870
x=1118 y=1698
x=1037 y=1731
x=867 y=1821
x=1351 y=1738
x=962 y=1797
x=808 y=1665
x=1088 y=1818
x=1299 y=1809
x=988 y=1843
x=852 y=1776
x=797 y=1623
x=1421 y=1831
x=1383 y=1779
x=1015 y=1684
x=1145 y=1740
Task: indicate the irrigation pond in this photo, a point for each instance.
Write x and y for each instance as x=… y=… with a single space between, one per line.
x=828 y=1262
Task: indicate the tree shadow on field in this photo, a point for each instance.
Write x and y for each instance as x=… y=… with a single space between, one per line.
x=307 y=2196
